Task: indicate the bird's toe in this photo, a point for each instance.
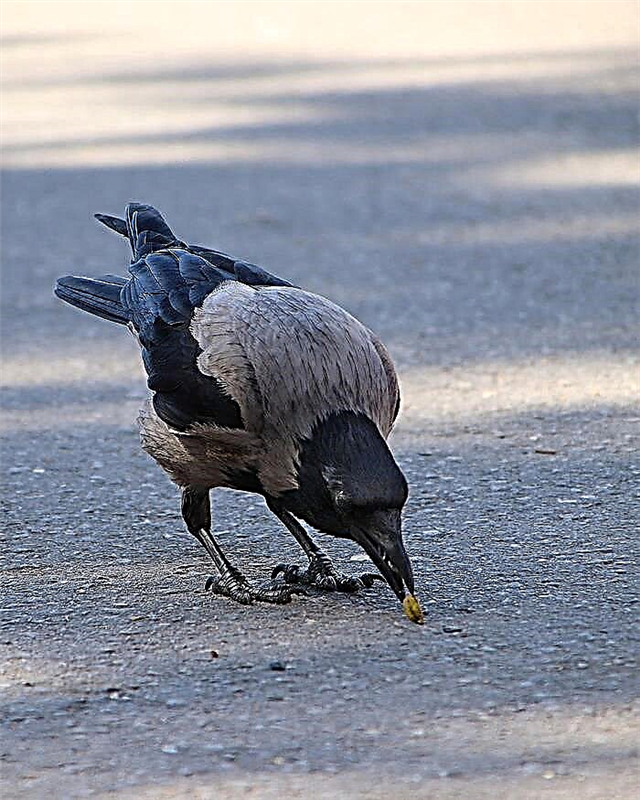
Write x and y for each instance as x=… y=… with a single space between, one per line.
x=240 y=591
x=279 y=593
x=328 y=582
x=290 y=572
x=321 y=574
x=235 y=586
x=367 y=579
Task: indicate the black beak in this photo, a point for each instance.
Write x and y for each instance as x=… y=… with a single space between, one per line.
x=381 y=539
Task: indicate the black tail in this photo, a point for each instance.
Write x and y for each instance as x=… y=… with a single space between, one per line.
x=115 y=223
x=143 y=225
x=99 y=296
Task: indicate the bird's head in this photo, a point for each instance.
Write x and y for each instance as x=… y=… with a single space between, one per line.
x=370 y=510
x=352 y=487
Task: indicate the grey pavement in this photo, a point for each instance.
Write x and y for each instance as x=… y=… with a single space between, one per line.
x=478 y=208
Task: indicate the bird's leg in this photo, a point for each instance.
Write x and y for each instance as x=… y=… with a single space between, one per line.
x=196 y=512
x=320 y=572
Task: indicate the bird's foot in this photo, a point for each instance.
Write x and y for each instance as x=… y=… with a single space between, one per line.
x=323 y=575
x=234 y=585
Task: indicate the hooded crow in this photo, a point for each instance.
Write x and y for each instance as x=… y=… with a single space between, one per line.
x=259 y=386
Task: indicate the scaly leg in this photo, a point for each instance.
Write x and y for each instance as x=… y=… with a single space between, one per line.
x=320 y=572
x=230 y=582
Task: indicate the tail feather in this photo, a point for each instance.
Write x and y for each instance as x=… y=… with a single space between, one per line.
x=99 y=296
x=144 y=227
x=115 y=223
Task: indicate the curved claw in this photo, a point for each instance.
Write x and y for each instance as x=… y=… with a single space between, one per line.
x=368 y=578
x=353 y=584
x=290 y=572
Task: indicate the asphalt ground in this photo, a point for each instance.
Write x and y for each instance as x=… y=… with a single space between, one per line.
x=463 y=177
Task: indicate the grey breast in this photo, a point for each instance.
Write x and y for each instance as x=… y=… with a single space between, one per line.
x=290 y=358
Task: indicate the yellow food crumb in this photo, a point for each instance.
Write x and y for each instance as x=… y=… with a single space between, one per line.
x=412 y=609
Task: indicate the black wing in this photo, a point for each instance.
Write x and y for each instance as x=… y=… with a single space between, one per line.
x=169 y=280
x=165 y=289
x=160 y=299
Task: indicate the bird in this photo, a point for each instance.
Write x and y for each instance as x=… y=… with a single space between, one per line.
x=260 y=386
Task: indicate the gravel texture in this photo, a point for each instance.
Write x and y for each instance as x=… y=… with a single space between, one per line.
x=470 y=196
